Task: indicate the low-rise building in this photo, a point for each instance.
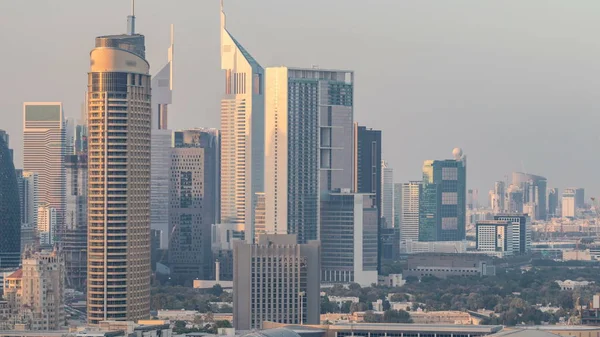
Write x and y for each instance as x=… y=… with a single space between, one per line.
x=444 y=265
x=571 y=285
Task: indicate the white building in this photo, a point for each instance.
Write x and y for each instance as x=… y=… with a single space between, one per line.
x=387 y=194
x=409 y=215
x=568 y=203
x=413 y=247
x=495 y=237
x=161 y=142
x=47 y=225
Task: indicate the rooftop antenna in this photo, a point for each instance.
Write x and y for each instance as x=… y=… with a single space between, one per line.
x=131 y=20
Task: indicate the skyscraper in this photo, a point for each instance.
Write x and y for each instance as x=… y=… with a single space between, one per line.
x=521 y=231
x=162 y=90
x=288 y=289
x=74 y=243
x=28 y=198
x=409 y=215
x=242 y=132
x=579 y=197
x=193 y=205
x=442 y=214
x=44 y=154
x=568 y=203
x=301 y=107
x=534 y=193
x=368 y=163
x=47 y=225
x=397 y=204
x=552 y=202
x=349 y=238
x=495 y=237
x=119 y=124
x=10 y=218
x=387 y=195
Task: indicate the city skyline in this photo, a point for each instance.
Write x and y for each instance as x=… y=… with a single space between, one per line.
x=416 y=78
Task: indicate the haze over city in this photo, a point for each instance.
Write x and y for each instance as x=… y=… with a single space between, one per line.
x=513 y=84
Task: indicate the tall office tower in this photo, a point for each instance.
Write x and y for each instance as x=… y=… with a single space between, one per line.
x=74 y=243
x=521 y=231
x=242 y=132
x=349 y=242
x=4 y=135
x=119 y=124
x=210 y=140
x=10 y=217
x=568 y=203
x=260 y=216
x=579 y=198
x=44 y=154
x=409 y=215
x=500 y=190
x=397 y=204
x=368 y=167
x=162 y=93
x=552 y=202
x=514 y=199
x=494 y=237
x=193 y=204
x=442 y=207
x=534 y=192
x=470 y=199
x=287 y=290
x=387 y=195
x=27 y=183
x=36 y=291
x=47 y=225
x=301 y=107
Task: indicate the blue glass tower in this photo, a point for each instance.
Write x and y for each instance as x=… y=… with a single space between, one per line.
x=10 y=209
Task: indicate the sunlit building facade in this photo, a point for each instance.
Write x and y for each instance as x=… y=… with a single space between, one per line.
x=119 y=126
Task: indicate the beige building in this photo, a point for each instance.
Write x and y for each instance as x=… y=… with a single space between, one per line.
x=35 y=292
x=119 y=127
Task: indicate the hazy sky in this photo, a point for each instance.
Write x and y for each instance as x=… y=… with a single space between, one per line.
x=514 y=83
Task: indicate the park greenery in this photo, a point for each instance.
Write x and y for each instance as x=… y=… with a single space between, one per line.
x=186 y=298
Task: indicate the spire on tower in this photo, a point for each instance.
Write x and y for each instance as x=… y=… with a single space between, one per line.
x=131 y=20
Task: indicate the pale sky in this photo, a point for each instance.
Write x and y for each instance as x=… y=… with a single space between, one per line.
x=514 y=83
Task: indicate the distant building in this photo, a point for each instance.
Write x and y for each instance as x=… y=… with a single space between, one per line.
x=514 y=199
x=387 y=195
x=568 y=203
x=36 y=291
x=571 y=285
x=442 y=206
x=349 y=238
x=398 y=204
x=553 y=202
x=10 y=218
x=442 y=265
x=288 y=290
x=534 y=193
x=47 y=225
x=521 y=231
x=498 y=197
x=414 y=247
x=409 y=214
x=579 y=198
x=494 y=236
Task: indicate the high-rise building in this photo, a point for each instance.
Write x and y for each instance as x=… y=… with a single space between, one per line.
x=36 y=292
x=349 y=238
x=568 y=203
x=74 y=243
x=552 y=202
x=409 y=215
x=162 y=92
x=368 y=163
x=47 y=225
x=288 y=289
x=580 y=198
x=534 y=193
x=397 y=204
x=514 y=199
x=442 y=215
x=119 y=126
x=193 y=203
x=301 y=107
x=28 y=198
x=44 y=153
x=521 y=231
x=494 y=237
x=242 y=132
x=10 y=218
x=387 y=195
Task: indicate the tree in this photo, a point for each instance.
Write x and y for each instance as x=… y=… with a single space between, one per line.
x=371 y=317
x=399 y=297
x=345 y=309
x=396 y=316
x=216 y=290
x=386 y=305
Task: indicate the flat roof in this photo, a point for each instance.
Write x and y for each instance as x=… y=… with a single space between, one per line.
x=417 y=327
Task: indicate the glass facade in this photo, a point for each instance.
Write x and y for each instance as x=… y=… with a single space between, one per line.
x=10 y=211
x=442 y=209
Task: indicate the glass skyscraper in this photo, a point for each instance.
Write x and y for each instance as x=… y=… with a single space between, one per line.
x=10 y=210
x=442 y=206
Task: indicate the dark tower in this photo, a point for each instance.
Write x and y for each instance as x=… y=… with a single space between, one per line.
x=10 y=210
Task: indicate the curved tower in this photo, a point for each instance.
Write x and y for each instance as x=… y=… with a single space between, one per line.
x=119 y=126
x=242 y=133
x=10 y=210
